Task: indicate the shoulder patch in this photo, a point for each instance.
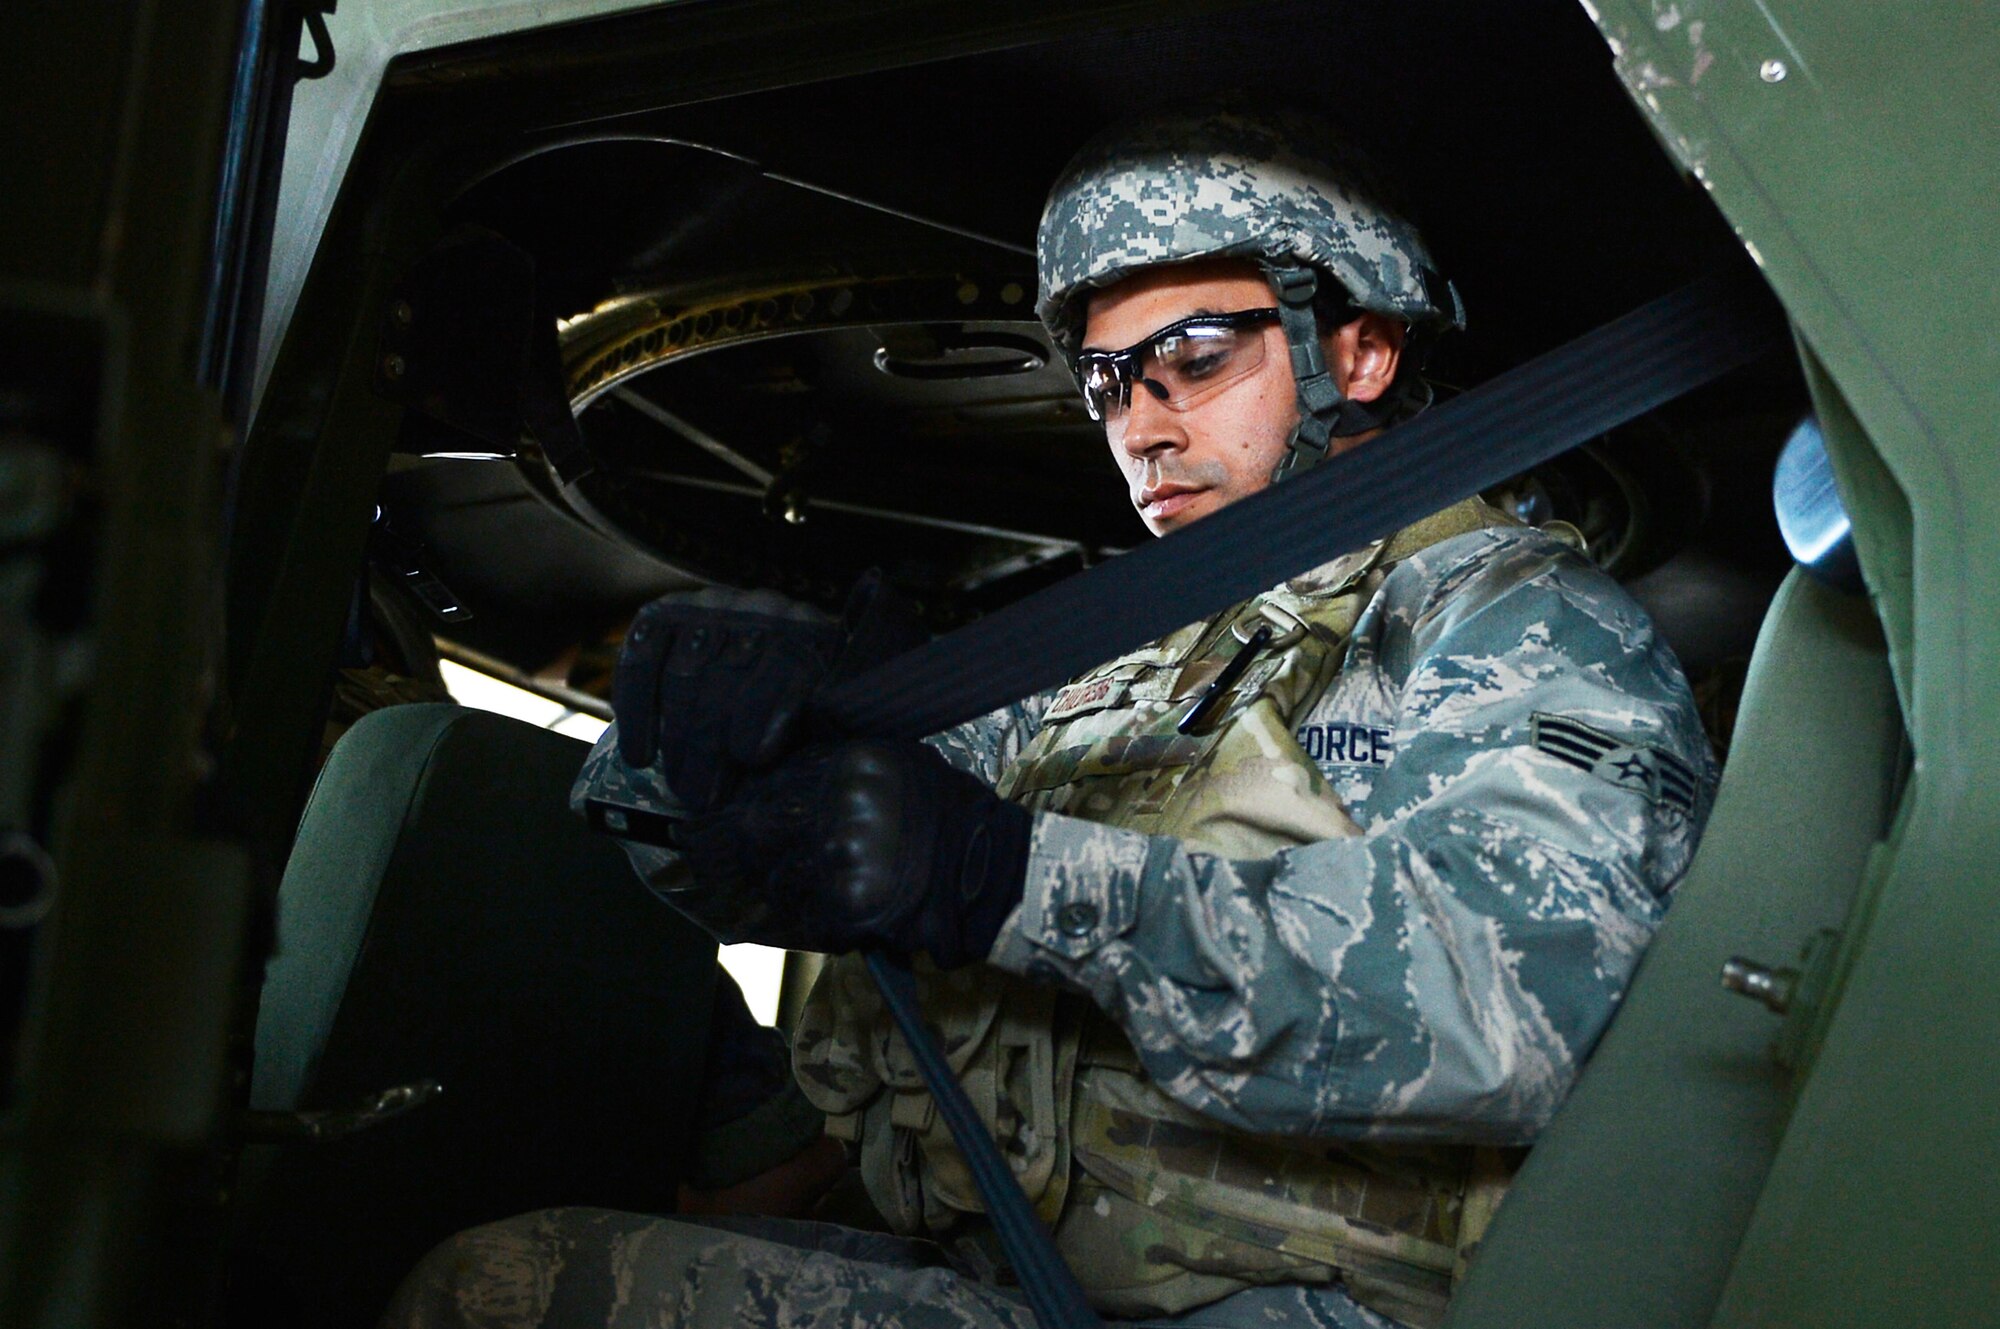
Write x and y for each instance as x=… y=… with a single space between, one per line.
x=1654 y=772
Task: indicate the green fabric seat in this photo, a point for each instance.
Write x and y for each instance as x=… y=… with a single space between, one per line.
x=444 y=915
x=1630 y=1209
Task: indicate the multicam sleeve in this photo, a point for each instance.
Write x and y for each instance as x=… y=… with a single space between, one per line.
x=1440 y=976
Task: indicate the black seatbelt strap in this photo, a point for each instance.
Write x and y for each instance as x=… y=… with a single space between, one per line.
x=1474 y=441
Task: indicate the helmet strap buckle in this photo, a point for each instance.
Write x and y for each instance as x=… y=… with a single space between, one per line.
x=1321 y=407
x=1324 y=414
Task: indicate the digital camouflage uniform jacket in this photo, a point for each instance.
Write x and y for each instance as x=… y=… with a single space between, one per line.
x=1525 y=776
x=1523 y=760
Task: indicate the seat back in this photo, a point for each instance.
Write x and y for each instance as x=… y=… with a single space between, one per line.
x=445 y=916
x=1630 y=1209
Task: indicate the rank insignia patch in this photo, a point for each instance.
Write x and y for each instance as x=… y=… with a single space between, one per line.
x=1658 y=775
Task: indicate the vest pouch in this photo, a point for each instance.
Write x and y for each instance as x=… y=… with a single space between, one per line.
x=836 y=1049
x=1004 y=1039
x=1386 y=1219
x=1017 y=1067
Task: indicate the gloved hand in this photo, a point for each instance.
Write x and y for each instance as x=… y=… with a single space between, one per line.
x=715 y=683
x=860 y=844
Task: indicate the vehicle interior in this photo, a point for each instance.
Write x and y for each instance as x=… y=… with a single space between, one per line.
x=714 y=293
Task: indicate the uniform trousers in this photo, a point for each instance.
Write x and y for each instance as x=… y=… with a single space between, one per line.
x=602 y=1269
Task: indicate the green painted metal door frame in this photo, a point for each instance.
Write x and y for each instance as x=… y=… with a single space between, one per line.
x=1855 y=147
x=112 y=136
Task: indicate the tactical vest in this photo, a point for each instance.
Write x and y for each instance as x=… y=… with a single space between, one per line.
x=1156 y=1208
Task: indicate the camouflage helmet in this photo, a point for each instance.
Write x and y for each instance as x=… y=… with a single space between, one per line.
x=1271 y=187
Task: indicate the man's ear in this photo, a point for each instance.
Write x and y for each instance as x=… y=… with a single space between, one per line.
x=1364 y=355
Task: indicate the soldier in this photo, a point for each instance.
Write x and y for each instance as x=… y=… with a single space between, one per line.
x=1260 y=984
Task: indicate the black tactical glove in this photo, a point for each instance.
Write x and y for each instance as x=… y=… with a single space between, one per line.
x=860 y=844
x=715 y=683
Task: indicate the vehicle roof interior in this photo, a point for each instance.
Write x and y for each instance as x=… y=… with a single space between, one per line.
x=1503 y=129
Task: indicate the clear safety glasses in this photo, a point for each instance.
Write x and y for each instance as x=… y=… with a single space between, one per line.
x=1180 y=364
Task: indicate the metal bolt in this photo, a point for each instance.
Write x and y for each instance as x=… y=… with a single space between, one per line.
x=1772 y=71
x=393 y=366
x=1077 y=918
x=403 y=312
x=1772 y=987
x=27 y=881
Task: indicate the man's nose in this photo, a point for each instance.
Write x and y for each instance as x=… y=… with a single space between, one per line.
x=1150 y=428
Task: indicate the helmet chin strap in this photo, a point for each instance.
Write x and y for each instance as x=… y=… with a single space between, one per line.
x=1324 y=414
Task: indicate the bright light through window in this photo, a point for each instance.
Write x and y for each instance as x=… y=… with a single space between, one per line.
x=758 y=970
x=483 y=692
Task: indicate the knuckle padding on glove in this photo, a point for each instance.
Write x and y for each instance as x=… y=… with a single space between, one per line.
x=771 y=697
x=713 y=683
x=635 y=684
x=860 y=844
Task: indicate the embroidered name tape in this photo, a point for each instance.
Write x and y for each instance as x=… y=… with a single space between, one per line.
x=1348 y=744
x=1081 y=696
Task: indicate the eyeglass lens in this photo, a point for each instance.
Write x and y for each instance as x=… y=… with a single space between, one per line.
x=1178 y=367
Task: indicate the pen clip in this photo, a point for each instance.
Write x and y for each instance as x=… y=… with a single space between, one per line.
x=1205 y=706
